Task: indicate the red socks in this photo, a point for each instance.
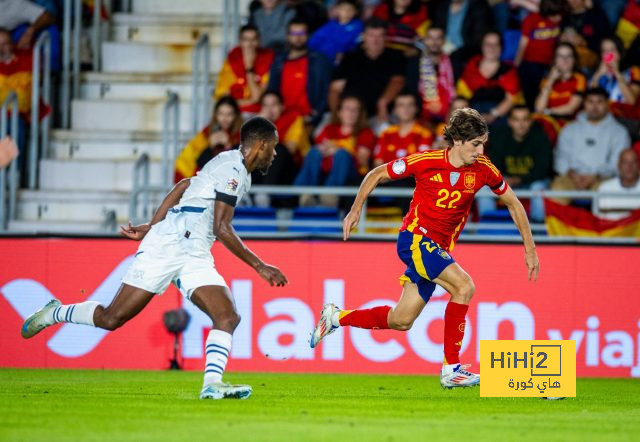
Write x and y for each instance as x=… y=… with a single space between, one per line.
x=370 y=318
x=453 y=331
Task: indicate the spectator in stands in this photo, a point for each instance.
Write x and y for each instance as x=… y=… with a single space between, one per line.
x=301 y=76
x=540 y=32
x=615 y=75
x=221 y=134
x=17 y=12
x=405 y=137
x=245 y=72
x=588 y=148
x=407 y=21
x=627 y=181
x=584 y=27
x=272 y=18
x=342 y=153
x=312 y=12
x=523 y=153
x=290 y=124
x=339 y=35
x=372 y=72
x=561 y=91
x=431 y=75
x=457 y=103
x=490 y=85
x=464 y=23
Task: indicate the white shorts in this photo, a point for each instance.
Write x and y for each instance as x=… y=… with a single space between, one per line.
x=161 y=260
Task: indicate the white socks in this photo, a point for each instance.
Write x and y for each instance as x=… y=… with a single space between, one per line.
x=217 y=353
x=74 y=313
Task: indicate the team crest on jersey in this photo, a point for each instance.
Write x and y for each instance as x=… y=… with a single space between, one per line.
x=398 y=167
x=232 y=185
x=469 y=180
x=444 y=254
x=453 y=177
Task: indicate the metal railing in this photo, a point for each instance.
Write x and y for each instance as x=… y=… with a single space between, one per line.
x=140 y=181
x=230 y=24
x=39 y=129
x=9 y=127
x=71 y=27
x=170 y=136
x=282 y=225
x=201 y=92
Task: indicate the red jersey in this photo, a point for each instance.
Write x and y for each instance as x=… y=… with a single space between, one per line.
x=391 y=145
x=563 y=90
x=542 y=34
x=444 y=194
x=473 y=85
x=349 y=142
x=294 y=85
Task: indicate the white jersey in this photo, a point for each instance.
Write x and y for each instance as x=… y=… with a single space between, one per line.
x=223 y=178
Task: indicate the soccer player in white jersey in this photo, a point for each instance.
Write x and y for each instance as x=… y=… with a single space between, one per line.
x=176 y=247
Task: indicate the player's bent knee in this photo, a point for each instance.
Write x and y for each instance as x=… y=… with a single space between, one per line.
x=467 y=290
x=400 y=324
x=228 y=322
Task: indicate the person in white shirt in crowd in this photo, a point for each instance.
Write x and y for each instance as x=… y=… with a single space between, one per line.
x=627 y=182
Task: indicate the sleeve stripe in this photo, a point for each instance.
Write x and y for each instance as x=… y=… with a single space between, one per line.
x=489 y=165
x=232 y=200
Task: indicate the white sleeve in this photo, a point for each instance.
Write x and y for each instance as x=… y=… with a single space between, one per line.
x=229 y=183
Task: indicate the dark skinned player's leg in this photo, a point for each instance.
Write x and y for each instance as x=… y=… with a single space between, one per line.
x=128 y=302
x=217 y=302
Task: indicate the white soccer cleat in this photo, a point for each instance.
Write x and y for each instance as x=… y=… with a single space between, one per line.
x=222 y=390
x=35 y=323
x=324 y=327
x=458 y=377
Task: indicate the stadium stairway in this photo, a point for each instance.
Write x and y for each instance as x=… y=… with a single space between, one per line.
x=86 y=180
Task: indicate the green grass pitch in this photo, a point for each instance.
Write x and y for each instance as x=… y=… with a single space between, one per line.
x=49 y=405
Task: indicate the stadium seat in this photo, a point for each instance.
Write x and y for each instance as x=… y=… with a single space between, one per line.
x=315 y=214
x=501 y=216
x=384 y=214
x=257 y=214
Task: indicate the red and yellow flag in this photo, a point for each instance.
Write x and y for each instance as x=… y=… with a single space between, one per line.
x=564 y=220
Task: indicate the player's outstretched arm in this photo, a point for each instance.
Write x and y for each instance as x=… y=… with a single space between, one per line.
x=374 y=177
x=172 y=198
x=519 y=217
x=224 y=231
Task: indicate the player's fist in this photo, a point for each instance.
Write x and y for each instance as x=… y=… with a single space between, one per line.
x=272 y=275
x=135 y=232
x=350 y=222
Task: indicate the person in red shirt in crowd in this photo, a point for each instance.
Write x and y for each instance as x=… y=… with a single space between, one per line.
x=560 y=96
x=301 y=76
x=446 y=183
x=540 y=32
x=491 y=86
x=407 y=21
x=343 y=150
x=431 y=74
x=245 y=72
x=221 y=134
x=407 y=136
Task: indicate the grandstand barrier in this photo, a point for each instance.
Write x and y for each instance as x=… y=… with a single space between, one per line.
x=70 y=87
x=39 y=138
x=201 y=88
x=170 y=137
x=583 y=294
x=8 y=126
x=287 y=228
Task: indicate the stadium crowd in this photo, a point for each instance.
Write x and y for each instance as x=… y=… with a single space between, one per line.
x=353 y=84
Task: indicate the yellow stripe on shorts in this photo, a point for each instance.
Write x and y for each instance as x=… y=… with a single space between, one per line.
x=416 y=256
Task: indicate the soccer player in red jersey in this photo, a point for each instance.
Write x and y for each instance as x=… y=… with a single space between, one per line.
x=446 y=182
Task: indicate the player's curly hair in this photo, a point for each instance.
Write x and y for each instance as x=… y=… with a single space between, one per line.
x=465 y=124
x=257 y=129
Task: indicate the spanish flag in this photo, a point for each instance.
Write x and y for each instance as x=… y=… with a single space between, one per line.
x=564 y=220
x=629 y=24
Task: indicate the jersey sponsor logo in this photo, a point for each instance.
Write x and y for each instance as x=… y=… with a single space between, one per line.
x=437 y=178
x=399 y=167
x=469 y=180
x=232 y=184
x=453 y=177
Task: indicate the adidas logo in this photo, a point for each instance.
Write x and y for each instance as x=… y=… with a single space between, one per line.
x=437 y=178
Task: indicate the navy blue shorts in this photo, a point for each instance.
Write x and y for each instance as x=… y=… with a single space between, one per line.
x=425 y=261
